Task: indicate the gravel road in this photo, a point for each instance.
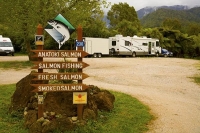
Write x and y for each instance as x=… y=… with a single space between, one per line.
x=164 y=84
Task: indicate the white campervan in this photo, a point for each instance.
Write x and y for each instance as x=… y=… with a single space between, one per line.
x=134 y=46
x=6 y=46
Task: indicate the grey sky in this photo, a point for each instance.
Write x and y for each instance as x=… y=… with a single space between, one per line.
x=138 y=4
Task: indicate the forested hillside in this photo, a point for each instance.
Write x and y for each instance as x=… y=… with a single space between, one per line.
x=185 y=17
x=146 y=10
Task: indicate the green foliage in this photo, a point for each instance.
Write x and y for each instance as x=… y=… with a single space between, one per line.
x=25 y=16
x=152 y=33
x=126 y=28
x=179 y=43
x=193 y=29
x=184 y=17
x=96 y=26
x=123 y=19
x=171 y=24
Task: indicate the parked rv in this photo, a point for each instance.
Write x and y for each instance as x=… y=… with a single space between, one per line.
x=96 y=47
x=134 y=46
x=6 y=46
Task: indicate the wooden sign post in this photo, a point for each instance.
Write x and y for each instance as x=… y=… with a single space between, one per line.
x=39 y=46
x=80 y=39
x=40 y=76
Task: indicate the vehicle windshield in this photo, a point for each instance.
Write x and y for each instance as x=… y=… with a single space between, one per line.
x=5 y=44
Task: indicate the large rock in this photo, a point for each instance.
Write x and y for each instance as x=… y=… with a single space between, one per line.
x=23 y=93
x=105 y=100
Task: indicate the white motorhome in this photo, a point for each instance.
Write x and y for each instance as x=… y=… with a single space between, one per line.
x=134 y=46
x=6 y=46
x=96 y=47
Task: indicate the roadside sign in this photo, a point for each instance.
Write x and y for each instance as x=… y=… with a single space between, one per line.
x=59 y=65
x=39 y=39
x=60 y=53
x=58 y=87
x=79 y=97
x=59 y=76
x=60 y=29
x=80 y=44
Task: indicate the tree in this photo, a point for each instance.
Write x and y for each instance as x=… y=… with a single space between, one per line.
x=171 y=24
x=193 y=29
x=122 y=14
x=152 y=33
x=126 y=28
x=179 y=43
x=22 y=18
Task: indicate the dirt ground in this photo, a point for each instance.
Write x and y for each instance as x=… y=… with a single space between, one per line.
x=164 y=84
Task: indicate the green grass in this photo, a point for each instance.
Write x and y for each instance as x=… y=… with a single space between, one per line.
x=128 y=116
x=9 y=123
x=197 y=77
x=15 y=64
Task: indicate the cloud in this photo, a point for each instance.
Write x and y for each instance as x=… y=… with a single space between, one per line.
x=143 y=3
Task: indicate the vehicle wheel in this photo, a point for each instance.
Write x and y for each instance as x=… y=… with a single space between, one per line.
x=112 y=51
x=157 y=54
x=95 y=55
x=99 y=55
x=12 y=54
x=133 y=54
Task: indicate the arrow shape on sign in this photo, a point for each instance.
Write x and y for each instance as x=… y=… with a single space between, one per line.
x=59 y=65
x=58 y=87
x=59 y=76
x=60 y=53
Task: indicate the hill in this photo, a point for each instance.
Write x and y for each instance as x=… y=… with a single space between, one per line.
x=156 y=18
x=146 y=10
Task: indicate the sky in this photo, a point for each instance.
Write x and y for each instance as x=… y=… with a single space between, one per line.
x=138 y=4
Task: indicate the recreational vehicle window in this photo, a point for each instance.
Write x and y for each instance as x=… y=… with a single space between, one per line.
x=144 y=44
x=157 y=44
x=113 y=43
x=127 y=43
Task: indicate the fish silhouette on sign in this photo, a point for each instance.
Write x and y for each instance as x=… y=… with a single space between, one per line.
x=60 y=29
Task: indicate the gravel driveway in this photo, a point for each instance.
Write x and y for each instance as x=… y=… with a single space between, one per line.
x=164 y=84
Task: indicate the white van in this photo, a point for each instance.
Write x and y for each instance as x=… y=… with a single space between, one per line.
x=6 y=46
